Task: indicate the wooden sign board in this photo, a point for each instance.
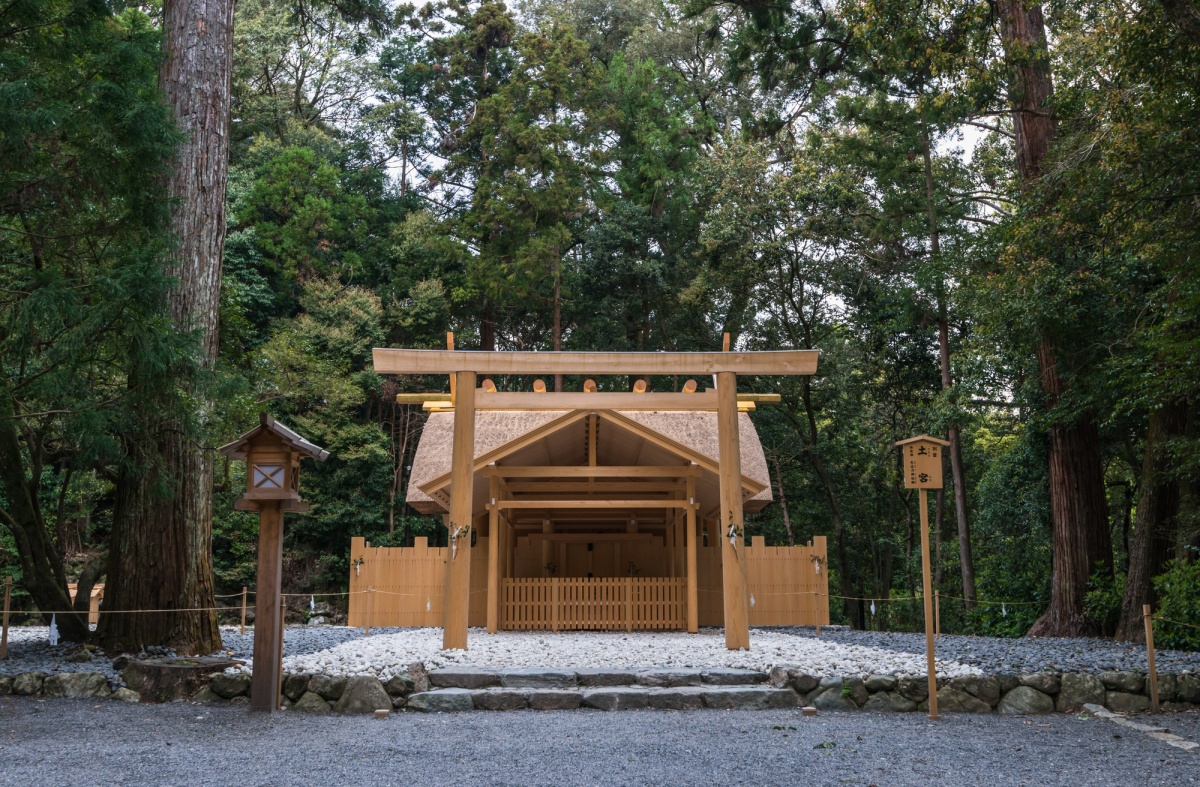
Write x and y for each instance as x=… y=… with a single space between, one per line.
x=922 y=457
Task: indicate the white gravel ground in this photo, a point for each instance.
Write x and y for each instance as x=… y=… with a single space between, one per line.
x=388 y=653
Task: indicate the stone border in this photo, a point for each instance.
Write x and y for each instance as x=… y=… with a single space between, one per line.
x=473 y=688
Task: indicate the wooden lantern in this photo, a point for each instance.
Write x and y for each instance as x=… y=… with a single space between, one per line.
x=922 y=461
x=272 y=453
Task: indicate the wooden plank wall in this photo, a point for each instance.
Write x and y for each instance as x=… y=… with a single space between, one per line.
x=408 y=584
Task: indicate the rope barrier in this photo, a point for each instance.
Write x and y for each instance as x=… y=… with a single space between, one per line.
x=1175 y=622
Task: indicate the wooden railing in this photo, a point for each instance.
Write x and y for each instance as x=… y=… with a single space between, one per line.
x=629 y=603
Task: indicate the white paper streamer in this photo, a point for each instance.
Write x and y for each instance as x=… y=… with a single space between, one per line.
x=751 y=599
x=53 y=631
x=428 y=604
x=1003 y=611
x=872 y=606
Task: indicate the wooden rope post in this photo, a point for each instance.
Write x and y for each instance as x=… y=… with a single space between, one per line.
x=927 y=585
x=1153 y=670
x=7 y=599
x=937 y=614
x=243 y=631
x=282 y=621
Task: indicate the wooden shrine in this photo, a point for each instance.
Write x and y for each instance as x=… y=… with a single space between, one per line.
x=596 y=510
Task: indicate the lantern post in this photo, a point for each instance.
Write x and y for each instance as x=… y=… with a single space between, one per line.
x=922 y=463
x=272 y=453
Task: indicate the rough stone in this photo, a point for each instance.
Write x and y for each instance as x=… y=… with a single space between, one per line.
x=125 y=695
x=81 y=656
x=616 y=698
x=294 y=686
x=778 y=678
x=317 y=620
x=1128 y=682
x=876 y=683
x=206 y=694
x=441 y=701
x=230 y=685
x=121 y=662
x=1167 y=686
x=833 y=699
x=669 y=678
x=857 y=690
x=537 y=678
x=420 y=677
x=890 y=701
x=1078 y=689
x=1045 y=682
x=311 y=702
x=499 y=699
x=554 y=699
x=1187 y=687
x=1124 y=702
x=398 y=703
x=678 y=698
x=399 y=685
x=952 y=700
x=168 y=679
x=1009 y=682
x=605 y=677
x=802 y=681
x=982 y=688
x=1024 y=701
x=28 y=683
x=329 y=687
x=76 y=684
x=6 y=683
x=913 y=687
x=463 y=678
x=750 y=698
x=363 y=694
x=733 y=677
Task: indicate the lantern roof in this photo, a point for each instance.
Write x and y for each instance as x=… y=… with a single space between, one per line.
x=268 y=425
x=922 y=438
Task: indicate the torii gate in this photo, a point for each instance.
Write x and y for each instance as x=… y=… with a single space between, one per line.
x=464 y=368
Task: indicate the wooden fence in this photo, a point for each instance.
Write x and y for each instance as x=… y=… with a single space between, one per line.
x=558 y=603
x=394 y=586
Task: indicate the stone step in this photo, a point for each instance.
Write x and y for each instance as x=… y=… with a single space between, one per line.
x=736 y=697
x=556 y=678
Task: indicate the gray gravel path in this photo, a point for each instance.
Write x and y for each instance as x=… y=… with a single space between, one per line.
x=71 y=742
x=1000 y=655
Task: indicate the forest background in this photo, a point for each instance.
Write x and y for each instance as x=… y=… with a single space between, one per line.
x=989 y=228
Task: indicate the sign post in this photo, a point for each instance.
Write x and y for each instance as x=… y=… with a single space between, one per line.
x=922 y=457
x=272 y=453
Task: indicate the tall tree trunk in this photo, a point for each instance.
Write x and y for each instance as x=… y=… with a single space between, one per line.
x=1154 y=530
x=787 y=520
x=1077 y=505
x=558 y=378
x=161 y=556
x=965 y=561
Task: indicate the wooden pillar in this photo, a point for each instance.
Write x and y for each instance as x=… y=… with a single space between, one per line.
x=690 y=537
x=458 y=559
x=268 y=640
x=493 y=586
x=733 y=560
x=927 y=585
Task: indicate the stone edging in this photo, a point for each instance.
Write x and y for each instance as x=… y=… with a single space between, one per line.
x=471 y=688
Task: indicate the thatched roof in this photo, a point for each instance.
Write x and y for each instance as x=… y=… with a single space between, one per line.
x=559 y=437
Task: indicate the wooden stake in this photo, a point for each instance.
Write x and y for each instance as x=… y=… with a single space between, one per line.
x=268 y=640
x=927 y=584
x=4 y=636
x=462 y=476
x=1153 y=670
x=733 y=567
x=243 y=630
x=493 y=585
x=937 y=614
x=282 y=622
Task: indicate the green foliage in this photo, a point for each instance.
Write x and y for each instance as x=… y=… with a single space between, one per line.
x=1178 y=592
x=1102 y=605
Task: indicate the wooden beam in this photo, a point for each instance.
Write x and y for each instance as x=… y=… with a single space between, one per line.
x=493 y=586
x=458 y=564
x=422 y=398
x=576 y=400
x=733 y=551
x=690 y=537
x=582 y=538
x=774 y=362
x=594 y=486
x=585 y=471
x=268 y=644
x=597 y=503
